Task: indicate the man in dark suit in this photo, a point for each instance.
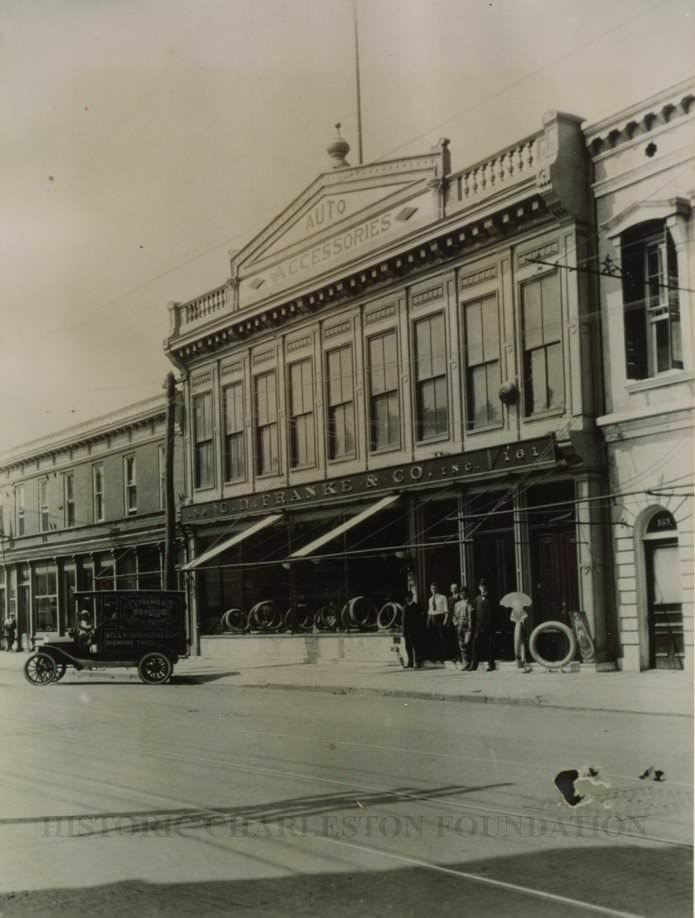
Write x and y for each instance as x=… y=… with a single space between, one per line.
x=483 y=628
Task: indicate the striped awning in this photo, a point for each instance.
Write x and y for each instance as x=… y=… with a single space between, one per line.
x=309 y=549
x=232 y=541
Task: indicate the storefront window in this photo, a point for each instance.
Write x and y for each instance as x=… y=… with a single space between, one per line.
x=341 y=414
x=46 y=599
x=553 y=546
x=103 y=573
x=68 y=602
x=384 y=415
x=127 y=571
x=149 y=575
x=431 y=380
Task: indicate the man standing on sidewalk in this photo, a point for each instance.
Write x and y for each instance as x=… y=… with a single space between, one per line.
x=463 y=618
x=413 y=630
x=437 y=608
x=9 y=630
x=484 y=628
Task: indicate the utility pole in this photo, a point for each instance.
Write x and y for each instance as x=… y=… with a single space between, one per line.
x=357 y=80
x=169 y=507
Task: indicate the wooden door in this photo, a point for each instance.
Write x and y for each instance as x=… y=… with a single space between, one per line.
x=665 y=614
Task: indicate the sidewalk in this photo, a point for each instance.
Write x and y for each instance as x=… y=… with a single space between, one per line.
x=653 y=692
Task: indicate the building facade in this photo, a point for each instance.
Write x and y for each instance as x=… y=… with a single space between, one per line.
x=643 y=183
x=397 y=384
x=83 y=509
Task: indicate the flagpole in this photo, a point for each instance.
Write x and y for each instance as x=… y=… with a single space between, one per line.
x=357 y=76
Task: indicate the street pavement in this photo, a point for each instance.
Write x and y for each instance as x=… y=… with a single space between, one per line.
x=215 y=795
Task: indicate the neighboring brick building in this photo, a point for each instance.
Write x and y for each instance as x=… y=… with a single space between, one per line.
x=644 y=187
x=83 y=508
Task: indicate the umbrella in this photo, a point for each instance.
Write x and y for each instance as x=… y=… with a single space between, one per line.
x=517 y=602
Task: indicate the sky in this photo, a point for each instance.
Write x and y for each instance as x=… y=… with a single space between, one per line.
x=142 y=140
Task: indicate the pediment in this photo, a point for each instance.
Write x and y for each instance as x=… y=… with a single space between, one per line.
x=341 y=216
x=642 y=211
x=328 y=209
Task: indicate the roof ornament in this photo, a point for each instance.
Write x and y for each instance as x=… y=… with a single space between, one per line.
x=338 y=149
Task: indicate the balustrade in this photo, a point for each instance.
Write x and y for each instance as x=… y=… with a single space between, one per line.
x=485 y=177
x=205 y=305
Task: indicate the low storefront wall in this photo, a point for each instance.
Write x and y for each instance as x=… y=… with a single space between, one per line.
x=284 y=649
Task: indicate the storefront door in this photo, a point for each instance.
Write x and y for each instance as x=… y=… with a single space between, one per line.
x=664 y=613
x=493 y=554
x=554 y=569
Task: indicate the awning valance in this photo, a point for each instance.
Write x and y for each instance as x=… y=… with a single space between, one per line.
x=232 y=541
x=344 y=527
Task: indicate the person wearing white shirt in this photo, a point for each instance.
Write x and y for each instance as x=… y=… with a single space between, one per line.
x=437 y=610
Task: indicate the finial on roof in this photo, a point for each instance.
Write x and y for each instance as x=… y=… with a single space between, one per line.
x=338 y=149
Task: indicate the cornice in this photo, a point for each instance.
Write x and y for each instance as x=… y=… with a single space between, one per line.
x=452 y=239
x=96 y=429
x=621 y=128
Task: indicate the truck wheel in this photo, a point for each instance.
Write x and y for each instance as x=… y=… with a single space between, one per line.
x=60 y=672
x=155 y=668
x=40 y=669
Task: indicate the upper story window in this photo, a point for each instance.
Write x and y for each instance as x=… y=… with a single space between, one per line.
x=481 y=323
x=43 y=505
x=131 y=491
x=203 y=454
x=384 y=402
x=69 y=498
x=341 y=410
x=98 y=491
x=302 y=438
x=267 y=459
x=19 y=509
x=161 y=470
x=234 y=447
x=544 y=388
x=650 y=301
x=432 y=406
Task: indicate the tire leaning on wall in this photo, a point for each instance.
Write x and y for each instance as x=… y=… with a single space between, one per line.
x=362 y=612
x=265 y=616
x=233 y=620
x=327 y=617
x=552 y=626
x=389 y=615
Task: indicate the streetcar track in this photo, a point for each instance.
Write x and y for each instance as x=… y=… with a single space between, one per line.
x=535 y=767
x=544 y=895
x=486 y=809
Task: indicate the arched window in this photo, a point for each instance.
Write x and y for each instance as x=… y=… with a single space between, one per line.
x=650 y=301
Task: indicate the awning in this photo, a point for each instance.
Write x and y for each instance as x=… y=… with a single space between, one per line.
x=344 y=527
x=232 y=541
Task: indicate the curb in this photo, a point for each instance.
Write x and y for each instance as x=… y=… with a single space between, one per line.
x=536 y=702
